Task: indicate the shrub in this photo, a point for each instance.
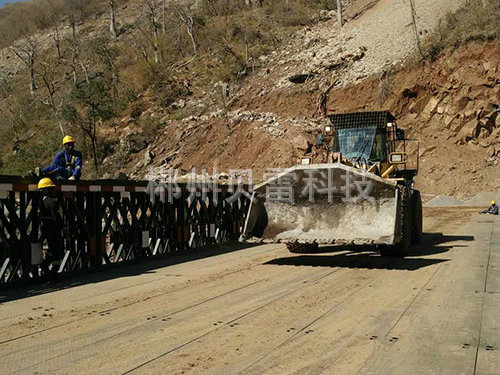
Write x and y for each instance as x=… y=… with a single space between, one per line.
x=471 y=22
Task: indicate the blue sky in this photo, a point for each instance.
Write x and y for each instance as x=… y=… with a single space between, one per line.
x=3 y=2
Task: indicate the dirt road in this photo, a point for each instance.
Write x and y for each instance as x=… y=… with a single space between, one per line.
x=262 y=310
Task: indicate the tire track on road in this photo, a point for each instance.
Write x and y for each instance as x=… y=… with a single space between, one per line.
x=128 y=304
x=229 y=322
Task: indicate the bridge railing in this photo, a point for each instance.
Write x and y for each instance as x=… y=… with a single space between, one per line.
x=105 y=222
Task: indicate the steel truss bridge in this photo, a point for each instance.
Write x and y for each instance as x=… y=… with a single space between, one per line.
x=106 y=222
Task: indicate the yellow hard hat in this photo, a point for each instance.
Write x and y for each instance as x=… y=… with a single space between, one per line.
x=45 y=183
x=493 y=202
x=68 y=139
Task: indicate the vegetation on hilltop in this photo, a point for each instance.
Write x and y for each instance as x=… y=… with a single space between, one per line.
x=77 y=65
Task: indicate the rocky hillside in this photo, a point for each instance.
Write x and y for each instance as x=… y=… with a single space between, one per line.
x=449 y=104
x=435 y=68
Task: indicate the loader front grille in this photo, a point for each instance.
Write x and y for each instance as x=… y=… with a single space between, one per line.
x=377 y=119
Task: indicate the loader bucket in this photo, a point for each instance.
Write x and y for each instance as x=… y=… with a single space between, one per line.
x=324 y=204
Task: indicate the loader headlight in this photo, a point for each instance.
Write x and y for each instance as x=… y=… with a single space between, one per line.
x=328 y=129
x=397 y=158
x=305 y=161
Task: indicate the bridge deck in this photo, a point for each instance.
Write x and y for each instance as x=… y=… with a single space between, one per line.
x=262 y=310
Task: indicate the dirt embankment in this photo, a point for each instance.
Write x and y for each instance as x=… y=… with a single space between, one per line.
x=450 y=106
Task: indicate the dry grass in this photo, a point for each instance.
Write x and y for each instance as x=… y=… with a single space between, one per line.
x=471 y=22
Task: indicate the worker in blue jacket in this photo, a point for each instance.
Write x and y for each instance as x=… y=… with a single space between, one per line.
x=68 y=163
x=493 y=209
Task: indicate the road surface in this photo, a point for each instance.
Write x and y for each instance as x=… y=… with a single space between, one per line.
x=261 y=310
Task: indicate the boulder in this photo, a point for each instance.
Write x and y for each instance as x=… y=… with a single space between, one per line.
x=489 y=121
x=456 y=126
x=301 y=143
x=457 y=105
x=149 y=157
x=427 y=150
x=179 y=104
x=448 y=120
x=430 y=108
x=483 y=133
x=420 y=104
x=134 y=142
x=470 y=130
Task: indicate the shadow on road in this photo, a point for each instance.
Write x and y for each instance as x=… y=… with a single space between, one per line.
x=368 y=257
x=118 y=270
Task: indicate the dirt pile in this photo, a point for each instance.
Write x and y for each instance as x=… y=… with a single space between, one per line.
x=483 y=199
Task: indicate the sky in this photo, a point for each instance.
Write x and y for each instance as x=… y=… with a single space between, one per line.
x=3 y=2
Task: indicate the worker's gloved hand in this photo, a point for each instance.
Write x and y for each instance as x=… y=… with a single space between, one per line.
x=72 y=178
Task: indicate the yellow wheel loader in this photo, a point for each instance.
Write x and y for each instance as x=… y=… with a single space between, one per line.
x=355 y=186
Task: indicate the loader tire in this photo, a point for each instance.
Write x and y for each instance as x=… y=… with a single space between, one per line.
x=416 y=212
x=301 y=248
x=401 y=249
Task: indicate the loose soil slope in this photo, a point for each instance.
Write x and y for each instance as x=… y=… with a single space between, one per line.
x=449 y=105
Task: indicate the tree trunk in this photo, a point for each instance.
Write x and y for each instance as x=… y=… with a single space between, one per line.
x=85 y=71
x=94 y=151
x=62 y=129
x=58 y=49
x=112 y=25
x=57 y=41
x=414 y=25
x=31 y=58
x=93 y=139
x=155 y=46
x=339 y=13
x=164 y=23
x=72 y=23
x=190 y=32
x=155 y=37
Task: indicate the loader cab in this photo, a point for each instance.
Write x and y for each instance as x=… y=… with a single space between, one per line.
x=367 y=144
x=373 y=141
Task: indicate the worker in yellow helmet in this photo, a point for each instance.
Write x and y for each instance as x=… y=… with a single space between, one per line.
x=493 y=209
x=68 y=163
x=51 y=223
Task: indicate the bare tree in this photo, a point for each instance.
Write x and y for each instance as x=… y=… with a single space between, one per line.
x=76 y=61
x=152 y=11
x=138 y=45
x=26 y=52
x=163 y=16
x=71 y=12
x=75 y=9
x=19 y=126
x=414 y=26
x=112 y=23
x=48 y=73
x=186 y=17
x=339 y=13
x=56 y=36
x=55 y=11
